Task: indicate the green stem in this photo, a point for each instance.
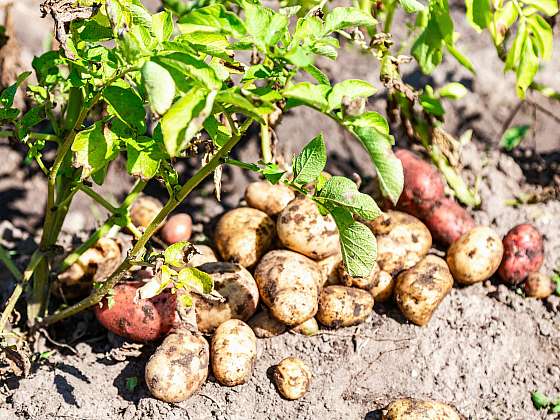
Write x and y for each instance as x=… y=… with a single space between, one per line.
x=98 y=198
x=32 y=135
x=5 y=258
x=545 y=91
x=390 y=15
x=266 y=143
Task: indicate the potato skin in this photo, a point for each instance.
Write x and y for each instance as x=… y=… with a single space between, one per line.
x=365 y=283
x=234 y=350
x=289 y=285
x=341 y=306
x=523 y=253
x=239 y=290
x=179 y=367
x=267 y=197
x=420 y=290
x=292 y=378
x=144 y=210
x=412 y=409
x=383 y=291
x=205 y=255
x=264 y=325
x=475 y=256
x=329 y=269
x=448 y=221
x=423 y=185
x=303 y=229
x=146 y=320
x=538 y=286
x=308 y=328
x=402 y=241
x=243 y=235
x=177 y=228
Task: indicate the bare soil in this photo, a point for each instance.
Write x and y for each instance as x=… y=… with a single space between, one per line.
x=485 y=350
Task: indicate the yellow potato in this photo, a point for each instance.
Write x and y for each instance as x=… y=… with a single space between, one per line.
x=384 y=289
x=144 y=210
x=412 y=409
x=234 y=349
x=341 y=306
x=267 y=197
x=539 y=286
x=366 y=283
x=329 y=269
x=309 y=327
x=475 y=256
x=265 y=325
x=204 y=255
x=419 y=290
x=243 y=235
x=292 y=378
x=303 y=229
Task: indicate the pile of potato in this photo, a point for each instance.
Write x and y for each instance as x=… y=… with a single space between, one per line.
x=281 y=270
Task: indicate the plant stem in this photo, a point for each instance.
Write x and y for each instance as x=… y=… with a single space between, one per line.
x=98 y=198
x=5 y=258
x=266 y=143
x=390 y=15
x=138 y=248
x=33 y=135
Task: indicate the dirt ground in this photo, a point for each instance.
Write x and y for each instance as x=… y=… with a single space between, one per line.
x=485 y=350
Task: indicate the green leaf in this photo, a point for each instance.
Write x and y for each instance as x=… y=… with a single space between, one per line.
x=219 y=133
x=193 y=278
x=309 y=164
x=431 y=105
x=339 y=191
x=185 y=299
x=548 y=7
x=527 y=69
x=159 y=86
x=127 y=106
x=176 y=255
x=191 y=67
x=212 y=18
x=131 y=383
x=351 y=89
x=427 y=49
x=318 y=75
x=541 y=34
x=93 y=148
x=143 y=157
x=162 y=25
x=464 y=61
x=514 y=55
x=504 y=18
x=272 y=172
x=344 y=17
x=479 y=14
x=240 y=103
x=513 y=137
x=540 y=400
x=357 y=243
x=309 y=94
x=371 y=119
x=453 y=90
x=388 y=166
x=412 y=6
x=7 y=96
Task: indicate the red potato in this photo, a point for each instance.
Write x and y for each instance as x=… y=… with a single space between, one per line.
x=448 y=221
x=145 y=320
x=178 y=228
x=523 y=253
x=423 y=185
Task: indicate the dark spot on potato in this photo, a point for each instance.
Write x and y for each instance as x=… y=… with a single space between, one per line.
x=299 y=218
x=414 y=238
x=472 y=253
x=148 y=310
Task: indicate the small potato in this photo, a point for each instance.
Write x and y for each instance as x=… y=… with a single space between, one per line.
x=523 y=253
x=475 y=256
x=402 y=241
x=411 y=409
x=448 y=221
x=178 y=228
x=303 y=229
x=204 y=255
x=420 y=290
x=289 y=285
x=292 y=378
x=265 y=325
x=239 y=290
x=329 y=269
x=144 y=210
x=243 y=235
x=234 y=350
x=179 y=367
x=309 y=327
x=539 y=286
x=366 y=283
x=341 y=306
x=267 y=197
x=145 y=320
x=384 y=289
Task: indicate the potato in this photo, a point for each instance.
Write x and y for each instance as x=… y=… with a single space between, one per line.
x=265 y=325
x=179 y=366
x=243 y=235
x=366 y=283
x=411 y=409
x=289 y=285
x=234 y=350
x=419 y=290
x=539 y=286
x=523 y=253
x=204 y=255
x=423 y=185
x=144 y=210
x=292 y=378
x=341 y=306
x=239 y=290
x=383 y=291
x=309 y=327
x=267 y=197
x=177 y=228
x=448 y=221
x=329 y=269
x=475 y=256
x=145 y=320
x=303 y=229
x=402 y=241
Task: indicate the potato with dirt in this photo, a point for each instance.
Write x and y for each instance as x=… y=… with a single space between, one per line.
x=402 y=241
x=204 y=254
x=475 y=256
x=308 y=328
x=178 y=228
x=303 y=229
x=135 y=319
x=289 y=285
x=267 y=197
x=292 y=378
x=243 y=235
x=144 y=210
x=233 y=352
x=448 y=221
x=523 y=254
x=383 y=291
x=365 y=283
x=539 y=285
x=420 y=289
x=179 y=367
x=329 y=269
x=412 y=409
x=238 y=289
x=264 y=325
x=341 y=306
